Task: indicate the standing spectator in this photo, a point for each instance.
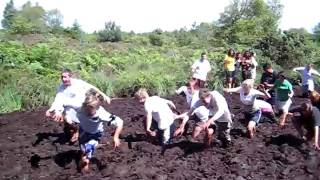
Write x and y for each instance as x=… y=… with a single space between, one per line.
x=229 y=67
x=200 y=69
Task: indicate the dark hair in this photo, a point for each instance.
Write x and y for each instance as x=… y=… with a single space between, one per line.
x=66 y=71
x=266 y=66
x=203 y=53
x=231 y=53
x=282 y=74
x=203 y=93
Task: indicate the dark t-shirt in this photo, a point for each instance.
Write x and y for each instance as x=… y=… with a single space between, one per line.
x=311 y=120
x=269 y=78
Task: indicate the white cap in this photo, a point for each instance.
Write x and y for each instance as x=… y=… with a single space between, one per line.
x=202 y=113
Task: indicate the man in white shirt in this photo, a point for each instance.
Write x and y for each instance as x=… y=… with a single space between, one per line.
x=71 y=91
x=307 y=77
x=212 y=108
x=200 y=69
x=159 y=110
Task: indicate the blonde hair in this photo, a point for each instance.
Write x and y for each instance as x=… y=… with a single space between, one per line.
x=141 y=93
x=248 y=83
x=315 y=97
x=93 y=99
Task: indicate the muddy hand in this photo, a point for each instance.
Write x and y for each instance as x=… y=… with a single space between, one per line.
x=116 y=142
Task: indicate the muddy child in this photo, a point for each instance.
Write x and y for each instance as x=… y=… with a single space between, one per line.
x=211 y=110
x=158 y=113
x=71 y=90
x=92 y=117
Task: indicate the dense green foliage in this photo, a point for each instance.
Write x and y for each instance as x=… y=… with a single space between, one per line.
x=34 y=47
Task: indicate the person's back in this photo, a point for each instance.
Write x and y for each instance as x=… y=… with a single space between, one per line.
x=161 y=111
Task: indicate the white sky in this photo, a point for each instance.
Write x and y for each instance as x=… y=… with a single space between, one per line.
x=147 y=15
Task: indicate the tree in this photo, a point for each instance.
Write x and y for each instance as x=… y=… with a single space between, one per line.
x=75 y=31
x=30 y=19
x=8 y=15
x=111 y=33
x=316 y=32
x=54 y=19
x=246 y=21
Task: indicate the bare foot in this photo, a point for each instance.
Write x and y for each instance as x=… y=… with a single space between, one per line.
x=84 y=164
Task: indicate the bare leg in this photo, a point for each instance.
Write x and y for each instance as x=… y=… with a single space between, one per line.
x=251 y=128
x=209 y=137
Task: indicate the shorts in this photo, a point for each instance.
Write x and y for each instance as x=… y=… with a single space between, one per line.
x=164 y=136
x=70 y=116
x=284 y=105
x=229 y=74
x=223 y=129
x=89 y=142
x=307 y=88
x=254 y=116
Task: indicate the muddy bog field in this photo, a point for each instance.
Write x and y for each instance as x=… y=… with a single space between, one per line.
x=32 y=147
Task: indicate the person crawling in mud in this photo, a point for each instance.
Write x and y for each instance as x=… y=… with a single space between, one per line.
x=92 y=117
x=211 y=110
x=159 y=114
x=254 y=108
x=308 y=117
x=70 y=90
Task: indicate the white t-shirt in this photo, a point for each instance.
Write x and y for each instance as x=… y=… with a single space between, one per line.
x=94 y=124
x=160 y=111
x=201 y=69
x=218 y=107
x=73 y=94
x=251 y=100
x=191 y=98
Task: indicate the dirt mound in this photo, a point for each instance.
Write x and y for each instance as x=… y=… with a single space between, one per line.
x=33 y=148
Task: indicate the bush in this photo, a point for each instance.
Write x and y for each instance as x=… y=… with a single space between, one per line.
x=111 y=33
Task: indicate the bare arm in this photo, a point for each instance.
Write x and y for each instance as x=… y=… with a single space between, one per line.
x=117 y=134
x=232 y=90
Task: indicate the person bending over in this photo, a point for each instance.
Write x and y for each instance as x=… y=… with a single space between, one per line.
x=159 y=110
x=70 y=90
x=307 y=117
x=92 y=117
x=212 y=109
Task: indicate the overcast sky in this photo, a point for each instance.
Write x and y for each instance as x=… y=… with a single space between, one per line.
x=147 y=15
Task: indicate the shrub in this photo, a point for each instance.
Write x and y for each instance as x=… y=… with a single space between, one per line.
x=111 y=33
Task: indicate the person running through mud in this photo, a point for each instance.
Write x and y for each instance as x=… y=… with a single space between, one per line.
x=307 y=78
x=159 y=113
x=211 y=110
x=70 y=90
x=284 y=93
x=308 y=117
x=229 y=67
x=200 y=69
x=190 y=92
x=267 y=81
x=92 y=117
x=254 y=107
x=246 y=65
